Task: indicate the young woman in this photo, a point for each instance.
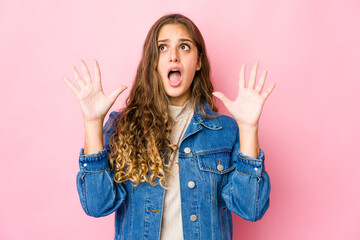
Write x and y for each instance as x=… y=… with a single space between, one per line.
x=170 y=166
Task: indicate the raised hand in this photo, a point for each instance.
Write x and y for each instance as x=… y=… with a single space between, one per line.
x=246 y=108
x=94 y=103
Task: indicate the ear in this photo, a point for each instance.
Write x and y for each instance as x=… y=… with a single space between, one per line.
x=198 y=65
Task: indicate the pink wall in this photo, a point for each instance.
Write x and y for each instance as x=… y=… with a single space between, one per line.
x=309 y=127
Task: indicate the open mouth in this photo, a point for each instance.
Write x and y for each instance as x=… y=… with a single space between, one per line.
x=174 y=77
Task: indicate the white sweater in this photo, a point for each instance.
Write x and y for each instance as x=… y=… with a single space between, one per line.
x=171 y=227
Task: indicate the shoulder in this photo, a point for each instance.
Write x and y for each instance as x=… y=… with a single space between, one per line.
x=109 y=125
x=227 y=122
x=225 y=119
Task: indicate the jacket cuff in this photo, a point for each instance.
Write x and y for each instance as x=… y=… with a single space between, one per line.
x=93 y=162
x=251 y=166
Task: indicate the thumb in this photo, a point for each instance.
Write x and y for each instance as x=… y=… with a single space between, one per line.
x=113 y=96
x=223 y=98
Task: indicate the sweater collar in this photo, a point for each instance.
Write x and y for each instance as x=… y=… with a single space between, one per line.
x=178 y=112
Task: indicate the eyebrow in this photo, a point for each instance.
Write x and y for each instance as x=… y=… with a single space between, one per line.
x=180 y=40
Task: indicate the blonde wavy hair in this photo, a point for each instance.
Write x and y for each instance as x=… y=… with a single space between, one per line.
x=140 y=147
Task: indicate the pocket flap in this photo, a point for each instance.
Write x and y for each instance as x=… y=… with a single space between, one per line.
x=219 y=163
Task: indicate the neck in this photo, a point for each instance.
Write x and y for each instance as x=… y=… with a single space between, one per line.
x=179 y=101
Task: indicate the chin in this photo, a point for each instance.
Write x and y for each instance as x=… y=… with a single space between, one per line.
x=174 y=95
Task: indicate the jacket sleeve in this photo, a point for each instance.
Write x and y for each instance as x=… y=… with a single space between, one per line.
x=99 y=194
x=247 y=192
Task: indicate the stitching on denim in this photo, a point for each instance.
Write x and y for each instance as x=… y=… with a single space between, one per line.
x=131 y=213
x=227 y=170
x=134 y=190
x=214 y=206
x=213 y=184
x=250 y=174
x=219 y=150
x=227 y=221
x=242 y=173
x=213 y=125
x=96 y=171
x=217 y=171
x=204 y=183
x=104 y=151
x=146 y=203
x=222 y=183
x=204 y=153
x=209 y=198
x=110 y=178
x=248 y=159
x=196 y=197
x=154 y=210
x=257 y=189
x=84 y=197
x=162 y=210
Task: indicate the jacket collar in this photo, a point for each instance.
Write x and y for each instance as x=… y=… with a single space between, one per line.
x=198 y=121
x=208 y=123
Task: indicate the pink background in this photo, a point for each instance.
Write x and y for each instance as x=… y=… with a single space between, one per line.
x=309 y=127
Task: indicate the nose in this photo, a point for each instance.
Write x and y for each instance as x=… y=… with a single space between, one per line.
x=174 y=57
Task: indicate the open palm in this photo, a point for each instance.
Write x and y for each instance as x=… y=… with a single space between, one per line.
x=94 y=103
x=246 y=108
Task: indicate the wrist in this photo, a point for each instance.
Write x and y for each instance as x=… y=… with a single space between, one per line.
x=94 y=123
x=248 y=127
x=93 y=137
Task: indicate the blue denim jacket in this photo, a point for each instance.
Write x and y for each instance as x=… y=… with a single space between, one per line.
x=221 y=180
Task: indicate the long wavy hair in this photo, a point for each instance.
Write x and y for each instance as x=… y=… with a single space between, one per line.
x=140 y=145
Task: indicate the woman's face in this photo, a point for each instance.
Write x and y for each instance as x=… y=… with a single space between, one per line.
x=178 y=62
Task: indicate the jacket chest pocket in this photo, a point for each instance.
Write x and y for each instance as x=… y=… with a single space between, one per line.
x=213 y=168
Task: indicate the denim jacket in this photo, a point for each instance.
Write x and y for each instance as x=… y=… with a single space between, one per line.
x=215 y=178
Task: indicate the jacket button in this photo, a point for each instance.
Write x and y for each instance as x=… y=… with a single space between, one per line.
x=220 y=167
x=187 y=150
x=191 y=184
x=85 y=164
x=193 y=217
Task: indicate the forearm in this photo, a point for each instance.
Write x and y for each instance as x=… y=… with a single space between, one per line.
x=93 y=137
x=249 y=142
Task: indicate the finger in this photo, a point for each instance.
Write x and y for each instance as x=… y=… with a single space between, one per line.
x=253 y=75
x=113 y=96
x=78 y=77
x=223 y=98
x=260 y=85
x=72 y=86
x=85 y=71
x=97 y=73
x=242 y=76
x=268 y=91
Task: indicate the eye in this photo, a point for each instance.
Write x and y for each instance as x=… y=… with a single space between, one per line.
x=162 y=48
x=184 y=47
